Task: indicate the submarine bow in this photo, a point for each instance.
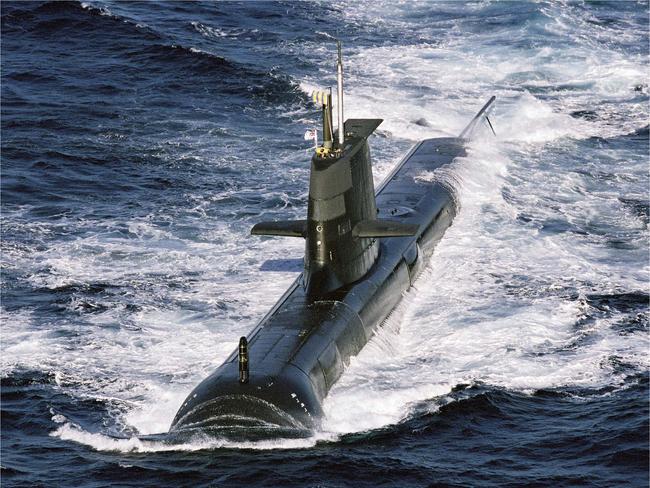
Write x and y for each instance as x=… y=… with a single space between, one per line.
x=363 y=249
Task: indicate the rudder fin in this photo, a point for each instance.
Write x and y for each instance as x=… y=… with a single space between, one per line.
x=484 y=112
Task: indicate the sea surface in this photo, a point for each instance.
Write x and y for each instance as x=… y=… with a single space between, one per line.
x=140 y=143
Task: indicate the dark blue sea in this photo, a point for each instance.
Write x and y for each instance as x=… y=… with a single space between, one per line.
x=141 y=141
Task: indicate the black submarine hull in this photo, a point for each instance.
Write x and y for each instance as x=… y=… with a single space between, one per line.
x=300 y=348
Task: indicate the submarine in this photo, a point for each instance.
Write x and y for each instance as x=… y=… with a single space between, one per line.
x=363 y=250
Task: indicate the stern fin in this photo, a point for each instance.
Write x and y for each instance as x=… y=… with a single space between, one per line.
x=484 y=112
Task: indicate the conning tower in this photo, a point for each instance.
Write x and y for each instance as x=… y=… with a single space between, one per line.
x=341 y=228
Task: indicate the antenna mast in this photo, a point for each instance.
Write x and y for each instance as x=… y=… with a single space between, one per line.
x=339 y=82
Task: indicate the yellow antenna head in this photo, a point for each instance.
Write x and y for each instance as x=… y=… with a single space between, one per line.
x=320 y=97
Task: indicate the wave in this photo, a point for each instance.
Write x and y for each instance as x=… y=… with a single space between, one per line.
x=468 y=409
x=186 y=57
x=49 y=17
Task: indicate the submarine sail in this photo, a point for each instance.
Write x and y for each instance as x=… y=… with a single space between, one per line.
x=363 y=249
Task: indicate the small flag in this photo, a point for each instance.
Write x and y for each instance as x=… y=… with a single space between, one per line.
x=320 y=97
x=312 y=134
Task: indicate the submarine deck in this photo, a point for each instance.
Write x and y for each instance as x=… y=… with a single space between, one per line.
x=300 y=348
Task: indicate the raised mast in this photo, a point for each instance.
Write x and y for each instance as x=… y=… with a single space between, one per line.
x=339 y=84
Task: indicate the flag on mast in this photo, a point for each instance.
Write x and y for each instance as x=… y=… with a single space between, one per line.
x=312 y=134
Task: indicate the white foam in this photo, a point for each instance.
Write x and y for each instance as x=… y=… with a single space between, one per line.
x=71 y=432
x=101 y=442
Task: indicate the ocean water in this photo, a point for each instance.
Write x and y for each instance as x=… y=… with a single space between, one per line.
x=141 y=141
